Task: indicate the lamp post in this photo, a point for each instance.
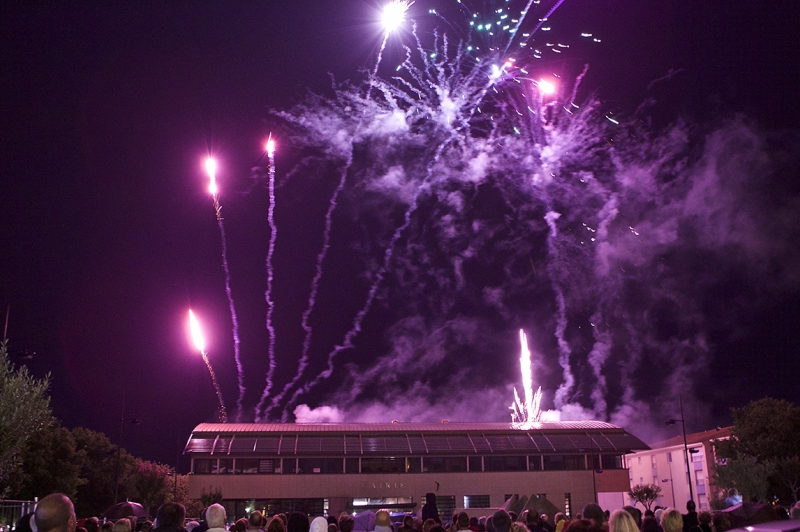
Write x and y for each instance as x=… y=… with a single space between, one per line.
x=685 y=448
x=122 y=421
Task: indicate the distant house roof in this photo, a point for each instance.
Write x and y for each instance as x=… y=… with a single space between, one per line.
x=409 y=438
x=697 y=437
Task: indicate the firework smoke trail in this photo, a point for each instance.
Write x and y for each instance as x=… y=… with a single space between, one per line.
x=211 y=169
x=326 y=244
x=439 y=88
x=270 y=148
x=200 y=344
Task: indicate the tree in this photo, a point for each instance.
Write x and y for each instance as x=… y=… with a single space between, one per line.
x=645 y=494
x=746 y=475
x=768 y=432
x=151 y=484
x=50 y=462
x=24 y=410
x=100 y=472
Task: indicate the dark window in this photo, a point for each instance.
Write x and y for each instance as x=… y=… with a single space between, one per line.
x=247 y=466
x=319 y=465
x=202 y=466
x=475 y=463
x=553 y=462
x=267 y=465
x=383 y=465
x=351 y=465
x=535 y=462
x=505 y=463
x=574 y=461
x=568 y=505
x=289 y=466
x=225 y=466
x=439 y=464
x=612 y=461
x=446 y=504
x=594 y=461
x=414 y=464
x=476 y=501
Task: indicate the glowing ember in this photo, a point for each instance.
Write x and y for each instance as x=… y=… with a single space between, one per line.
x=197 y=334
x=270 y=147
x=211 y=169
x=394 y=13
x=525 y=414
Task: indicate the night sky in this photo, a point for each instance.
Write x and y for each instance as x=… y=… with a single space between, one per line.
x=108 y=235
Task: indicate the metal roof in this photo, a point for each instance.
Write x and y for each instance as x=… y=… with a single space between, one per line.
x=377 y=439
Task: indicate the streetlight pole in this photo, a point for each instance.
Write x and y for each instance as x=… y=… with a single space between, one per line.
x=122 y=420
x=685 y=448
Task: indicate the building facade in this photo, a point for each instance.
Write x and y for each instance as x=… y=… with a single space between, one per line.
x=665 y=465
x=328 y=468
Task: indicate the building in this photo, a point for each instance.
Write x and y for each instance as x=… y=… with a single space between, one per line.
x=328 y=468
x=665 y=465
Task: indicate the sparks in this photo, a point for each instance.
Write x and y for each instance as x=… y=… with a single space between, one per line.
x=197 y=334
x=270 y=146
x=525 y=414
x=211 y=170
x=394 y=13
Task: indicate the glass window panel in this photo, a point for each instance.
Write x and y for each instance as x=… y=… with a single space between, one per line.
x=553 y=462
x=505 y=463
x=383 y=465
x=574 y=461
x=225 y=466
x=535 y=462
x=414 y=464
x=351 y=465
x=475 y=463
x=289 y=466
x=203 y=466
x=247 y=466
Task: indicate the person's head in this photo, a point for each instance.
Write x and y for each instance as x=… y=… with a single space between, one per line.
x=649 y=524
x=672 y=520
x=55 y=513
x=582 y=525
x=216 y=516
x=107 y=527
x=298 y=522
x=543 y=518
x=319 y=524
x=622 y=521
x=408 y=522
x=171 y=514
x=462 y=520
x=559 y=517
x=332 y=527
x=501 y=521
x=690 y=506
x=91 y=524
x=147 y=525
x=276 y=525
x=240 y=525
x=518 y=527
x=430 y=498
x=635 y=513
x=437 y=528
x=594 y=513
x=428 y=524
x=721 y=522
x=382 y=518
x=346 y=523
x=123 y=525
x=254 y=520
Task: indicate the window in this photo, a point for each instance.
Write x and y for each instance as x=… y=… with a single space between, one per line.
x=476 y=501
x=383 y=465
x=414 y=464
x=319 y=465
x=553 y=462
x=225 y=466
x=535 y=463
x=445 y=503
x=351 y=465
x=574 y=461
x=246 y=466
x=268 y=465
x=568 y=505
x=669 y=457
x=289 y=466
x=202 y=466
x=475 y=463
x=611 y=461
x=505 y=463
x=438 y=464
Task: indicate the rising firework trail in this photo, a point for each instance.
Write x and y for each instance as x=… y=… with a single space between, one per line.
x=211 y=170
x=524 y=414
x=200 y=345
x=270 y=149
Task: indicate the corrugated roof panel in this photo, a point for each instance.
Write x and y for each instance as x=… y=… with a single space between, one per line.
x=352 y=445
x=332 y=445
x=542 y=443
x=308 y=444
x=480 y=443
x=417 y=443
x=268 y=444
x=523 y=443
x=624 y=442
x=397 y=443
x=561 y=442
x=460 y=443
x=200 y=445
x=288 y=442
x=243 y=445
x=583 y=442
x=500 y=443
x=372 y=444
x=223 y=444
x=396 y=427
x=437 y=444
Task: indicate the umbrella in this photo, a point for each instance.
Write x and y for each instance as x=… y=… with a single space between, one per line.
x=125 y=509
x=364 y=521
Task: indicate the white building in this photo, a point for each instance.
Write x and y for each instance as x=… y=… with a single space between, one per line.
x=665 y=465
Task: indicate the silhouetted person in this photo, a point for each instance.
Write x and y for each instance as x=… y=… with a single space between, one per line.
x=594 y=513
x=170 y=517
x=690 y=517
x=501 y=521
x=429 y=509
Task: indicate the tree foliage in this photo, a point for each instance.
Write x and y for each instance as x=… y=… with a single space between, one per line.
x=151 y=484
x=50 y=462
x=765 y=438
x=24 y=410
x=645 y=494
